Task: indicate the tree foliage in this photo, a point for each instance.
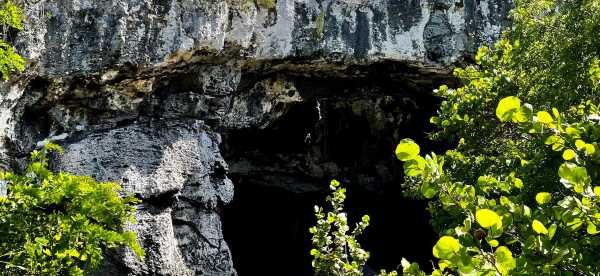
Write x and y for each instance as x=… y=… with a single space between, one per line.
x=59 y=224
x=502 y=223
x=519 y=195
x=11 y=19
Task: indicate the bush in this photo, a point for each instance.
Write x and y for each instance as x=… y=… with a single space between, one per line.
x=519 y=193
x=11 y=17
x=58 y=224
x=517 y=196
x=337 y=251
x=336 y=248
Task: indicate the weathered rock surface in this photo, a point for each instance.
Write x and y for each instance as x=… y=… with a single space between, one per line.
x=140 y=92
x=176 y=169
x=82 y=36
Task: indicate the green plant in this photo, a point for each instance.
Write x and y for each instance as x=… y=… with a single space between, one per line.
x=518 y=195
x=58 y=224
x=11 y=17
x=495 y=227
x=336 y=249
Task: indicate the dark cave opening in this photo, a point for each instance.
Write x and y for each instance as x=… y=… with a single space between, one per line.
x=267 y=229
x=266 y=225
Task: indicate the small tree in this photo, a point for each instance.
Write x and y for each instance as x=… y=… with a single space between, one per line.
x=336 y=248
x=337 y=251
x=57 y=224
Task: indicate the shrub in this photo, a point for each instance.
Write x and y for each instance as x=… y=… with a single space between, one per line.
x=519 y=194
x=336 y=250
x=57 y=224
x=11 y=17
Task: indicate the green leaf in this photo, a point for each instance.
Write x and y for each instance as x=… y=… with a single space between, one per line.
x=405 y=263
x=556 y=113
x=569 y=154
x=589 y=149
x=508 y=108
x=504 y=260
x=493 y=243
x=415 y=166
x=573 y=132
x=518 y=183
x=575 y=224
x=407 y=149
x=482 y=53
x=572 y=175
x=428 y=189
x=334 y=183
x=52 y=147
x=554 y=139
x=464 y=263
x=544 y=117
x=446 y=247
x=591 y=228
x=539 y=227
x=580 y=144
x=488 y=218
x=524 y=114
x=552 y=230
x=543 y=198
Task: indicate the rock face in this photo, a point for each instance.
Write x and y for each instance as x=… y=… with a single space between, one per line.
x=141 y=92
x=176 y=169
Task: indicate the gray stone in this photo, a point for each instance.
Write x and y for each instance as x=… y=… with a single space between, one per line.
x=83 y=36
x=176 y=169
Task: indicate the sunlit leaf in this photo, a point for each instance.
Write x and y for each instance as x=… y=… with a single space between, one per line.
x=543 y=198
x=505 y=261
x=539 y=227
x=488 y=218
x=407 y=149
x=414 y=166
x=569 y=154
x=493 y=243
x=591 y=229
x=446 y=247
x=508 y=108
x=544 y=117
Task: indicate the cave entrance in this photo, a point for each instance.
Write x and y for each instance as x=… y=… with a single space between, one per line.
x=346 y=128
x=267 y=229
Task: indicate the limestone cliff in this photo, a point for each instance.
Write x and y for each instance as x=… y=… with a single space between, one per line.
x=161 y=95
